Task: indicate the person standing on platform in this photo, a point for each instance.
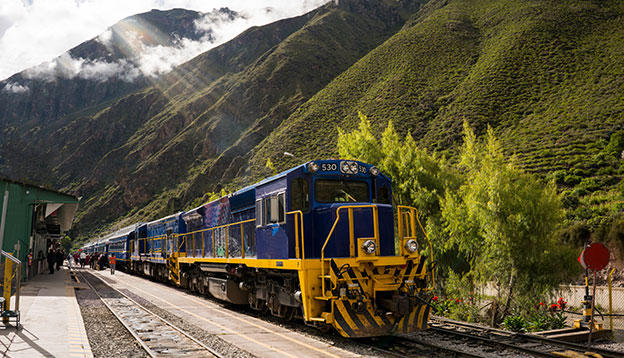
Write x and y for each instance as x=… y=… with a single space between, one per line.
x=60 y=257
x=83 y=257
x=51 y=260
x=111 y=263
x=102 y=261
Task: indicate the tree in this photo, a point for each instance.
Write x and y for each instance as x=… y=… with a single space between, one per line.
x=66 y=242
x=503 y=220
x=419 y=179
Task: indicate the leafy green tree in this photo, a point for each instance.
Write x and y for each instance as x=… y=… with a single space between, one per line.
x=66 y=243
x=419 y=179
x=503 y=220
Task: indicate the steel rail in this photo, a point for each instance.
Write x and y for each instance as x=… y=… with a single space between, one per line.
x=527 y=337
x=152 y=353
x=147 y=350
x=401 y=341
x=457 y=352
x=493 y=342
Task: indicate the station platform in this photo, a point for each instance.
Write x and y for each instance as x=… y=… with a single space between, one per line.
x=51 y=324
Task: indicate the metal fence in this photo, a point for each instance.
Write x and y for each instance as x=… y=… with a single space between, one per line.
x=609 y=303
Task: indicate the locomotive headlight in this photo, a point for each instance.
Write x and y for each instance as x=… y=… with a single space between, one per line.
x=369 y=247
x=354 y=167
x=345 y=167
x=313 y=167
x=411 y=245
x=374 y=171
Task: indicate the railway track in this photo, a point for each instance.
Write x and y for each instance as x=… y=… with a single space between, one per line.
x=403 y=347
x=531 y=345
x=157 y=336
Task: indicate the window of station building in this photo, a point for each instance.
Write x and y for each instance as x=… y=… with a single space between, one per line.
x=383 y=195
x=299 y=195
x=336 y=191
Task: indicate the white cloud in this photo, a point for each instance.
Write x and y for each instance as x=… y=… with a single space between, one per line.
x=16 y=88
x=32 y=32
x=68 y=67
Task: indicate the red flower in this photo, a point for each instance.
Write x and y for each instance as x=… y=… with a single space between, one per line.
x=435 y=298
x=457 y=300
x=541 y=303
x=554 y=306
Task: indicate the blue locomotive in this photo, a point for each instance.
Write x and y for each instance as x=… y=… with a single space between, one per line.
x=316 y=241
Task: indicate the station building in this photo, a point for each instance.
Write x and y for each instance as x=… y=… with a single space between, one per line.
x=32 y=219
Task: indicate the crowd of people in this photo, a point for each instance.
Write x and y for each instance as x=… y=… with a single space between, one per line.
x=95 y=260
x=55 y=259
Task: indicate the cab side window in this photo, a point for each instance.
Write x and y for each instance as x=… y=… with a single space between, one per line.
x=299 y=195
x=383 y=195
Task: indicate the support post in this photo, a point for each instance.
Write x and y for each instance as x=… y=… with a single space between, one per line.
x=8 y=277
x=5 y=204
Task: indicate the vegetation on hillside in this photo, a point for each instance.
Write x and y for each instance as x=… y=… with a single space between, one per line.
x=546 y=76
x=491 y=222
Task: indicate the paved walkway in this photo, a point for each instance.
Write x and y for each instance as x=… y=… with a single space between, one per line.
x=51 y=322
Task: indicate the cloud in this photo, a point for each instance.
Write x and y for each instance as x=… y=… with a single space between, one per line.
x=67 y=67
x=32 y=32
x=16 y=88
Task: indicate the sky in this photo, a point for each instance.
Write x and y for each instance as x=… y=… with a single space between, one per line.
x=34 y=33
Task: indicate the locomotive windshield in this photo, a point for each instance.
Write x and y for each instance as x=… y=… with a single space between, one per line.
x=334 y=191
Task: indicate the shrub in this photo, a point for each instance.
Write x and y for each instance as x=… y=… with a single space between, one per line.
x=572 y=179
x=570 y=200
x=515 y=323
x=589 y=184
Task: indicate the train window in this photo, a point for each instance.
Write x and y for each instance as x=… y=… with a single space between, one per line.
x=259 y=213
x=281 y=211
x=267 y=211
x=299 y=195
x=383 y=195
x=333 y=191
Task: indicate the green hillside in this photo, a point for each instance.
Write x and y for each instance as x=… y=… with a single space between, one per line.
x=547 y=75
x=198 y=122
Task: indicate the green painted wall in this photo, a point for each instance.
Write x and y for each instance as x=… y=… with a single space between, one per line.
x=19 y=216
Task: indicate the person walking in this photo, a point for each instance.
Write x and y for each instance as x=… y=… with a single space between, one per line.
x=51 y=260
x=111 y=263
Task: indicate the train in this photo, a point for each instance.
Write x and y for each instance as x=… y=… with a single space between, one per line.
x=317 y=242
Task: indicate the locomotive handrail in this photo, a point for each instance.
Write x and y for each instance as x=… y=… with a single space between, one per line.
x=351 y=233
x=214 y=252
x=413 y=216
x=298 y=227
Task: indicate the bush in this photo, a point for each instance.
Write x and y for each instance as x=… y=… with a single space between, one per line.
x=515 y=323
x=589 y=184
x=570 y=200
x=572 y=179
x=579 y=192
x=581 y=172
x=558 y=176
x=542 y=318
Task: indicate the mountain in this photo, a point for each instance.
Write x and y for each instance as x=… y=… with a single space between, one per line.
x=186 y=134
x=98 y=70
x=547 y=76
